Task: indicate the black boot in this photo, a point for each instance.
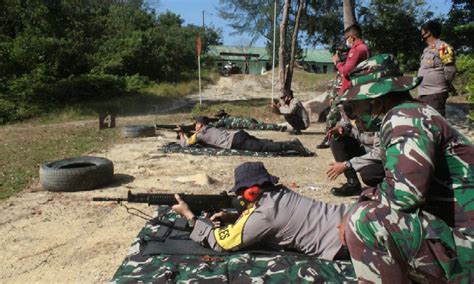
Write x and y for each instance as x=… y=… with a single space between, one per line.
x=296 y=145
x=351 y=188
x=347 y=189
x=324 y=144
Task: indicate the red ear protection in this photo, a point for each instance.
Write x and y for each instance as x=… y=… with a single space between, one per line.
x=252 y=193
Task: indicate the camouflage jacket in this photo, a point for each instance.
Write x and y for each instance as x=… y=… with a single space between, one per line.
x=234 y=122
x=429 y=171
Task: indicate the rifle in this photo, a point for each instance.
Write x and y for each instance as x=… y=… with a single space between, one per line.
x=197 y=202
x=188 y=129
x=342 y=52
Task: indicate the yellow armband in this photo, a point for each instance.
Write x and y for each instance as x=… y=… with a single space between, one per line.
x=192 y=140
x=446 y=54
x=230 y=236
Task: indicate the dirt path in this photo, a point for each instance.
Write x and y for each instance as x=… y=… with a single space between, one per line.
x=64 y=237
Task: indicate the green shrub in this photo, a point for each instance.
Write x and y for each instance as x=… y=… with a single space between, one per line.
x=136 y=82
x=7 y=111
x=465 y=63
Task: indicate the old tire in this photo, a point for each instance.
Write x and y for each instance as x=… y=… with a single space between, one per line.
x=138 y=131
x=75 y=174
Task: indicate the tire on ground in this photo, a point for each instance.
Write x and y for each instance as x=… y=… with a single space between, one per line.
x=138 y=131
x=76 y=174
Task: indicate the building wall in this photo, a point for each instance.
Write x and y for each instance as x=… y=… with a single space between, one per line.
x=256 y=67
x=317 y=67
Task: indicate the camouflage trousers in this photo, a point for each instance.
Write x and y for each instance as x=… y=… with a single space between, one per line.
x=247 y=123
x=390 y=246
x=333 y=117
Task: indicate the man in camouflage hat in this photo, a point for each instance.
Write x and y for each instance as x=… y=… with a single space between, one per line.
x=240 y=140
x=235 y=122
x=293 y=111
x=437 y=67
x=418 y=224
x=270 y=215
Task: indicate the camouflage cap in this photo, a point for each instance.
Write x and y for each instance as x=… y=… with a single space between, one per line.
x=377 y=76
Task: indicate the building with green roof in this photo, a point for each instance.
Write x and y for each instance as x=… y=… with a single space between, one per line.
x=258 y=60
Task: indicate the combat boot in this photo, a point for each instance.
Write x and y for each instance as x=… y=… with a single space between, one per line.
x=295 y=132
x=351 y=188
x=300 y=148
x=347 y=189
x=324 y=144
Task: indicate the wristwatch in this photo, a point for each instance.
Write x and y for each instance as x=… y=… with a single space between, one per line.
x=348 y=164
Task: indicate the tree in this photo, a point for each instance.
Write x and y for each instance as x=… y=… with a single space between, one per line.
x=458 y=29
x=394 y=27
x=286 y=73
x=251 y=17
x=349 y=13
x=323 y=22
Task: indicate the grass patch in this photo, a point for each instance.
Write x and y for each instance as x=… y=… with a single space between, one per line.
x=27 y=145
x=25 y=148
x=146 y=101
x=308 y=82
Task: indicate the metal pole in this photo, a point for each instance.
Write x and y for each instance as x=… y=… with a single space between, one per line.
x=203 y=25
x=274 y=41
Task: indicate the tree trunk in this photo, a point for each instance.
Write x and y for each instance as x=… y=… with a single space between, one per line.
x=294 y=41
x=281 y=50
x=349 y=14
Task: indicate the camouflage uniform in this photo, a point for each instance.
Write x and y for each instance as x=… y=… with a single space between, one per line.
x=243 y=267
x=211 y=151
x=419 y=222
x=334 y=114
x=233 y=122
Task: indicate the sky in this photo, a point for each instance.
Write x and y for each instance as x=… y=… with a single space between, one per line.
x=192 y=13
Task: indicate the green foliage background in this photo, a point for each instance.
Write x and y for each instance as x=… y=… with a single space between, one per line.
x=61 y=52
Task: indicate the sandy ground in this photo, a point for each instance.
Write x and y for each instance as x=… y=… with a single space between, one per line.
x=52 y=237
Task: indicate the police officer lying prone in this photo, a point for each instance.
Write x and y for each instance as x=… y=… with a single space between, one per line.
x=270 y=215
x=215 y=137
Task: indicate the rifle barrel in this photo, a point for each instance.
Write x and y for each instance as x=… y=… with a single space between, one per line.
x=108 y=199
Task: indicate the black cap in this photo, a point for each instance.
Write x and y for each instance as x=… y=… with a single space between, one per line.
x=251 y=173
x=202 y=119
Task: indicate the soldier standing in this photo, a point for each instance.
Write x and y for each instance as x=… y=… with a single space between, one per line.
x=418 y=224
x=437 y=67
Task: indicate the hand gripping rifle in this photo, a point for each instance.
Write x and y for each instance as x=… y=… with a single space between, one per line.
x=197 y=202
x=186 y=129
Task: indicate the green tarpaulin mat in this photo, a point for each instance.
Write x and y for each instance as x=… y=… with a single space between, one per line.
x=174 y=147
x=245 y=267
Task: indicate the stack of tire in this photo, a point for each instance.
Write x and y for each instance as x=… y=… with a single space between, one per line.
x=132 y=131
x=76 y=174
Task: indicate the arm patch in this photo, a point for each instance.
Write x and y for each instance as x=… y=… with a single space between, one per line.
x=192 y=140
x=446 y=54
x=230 y=236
